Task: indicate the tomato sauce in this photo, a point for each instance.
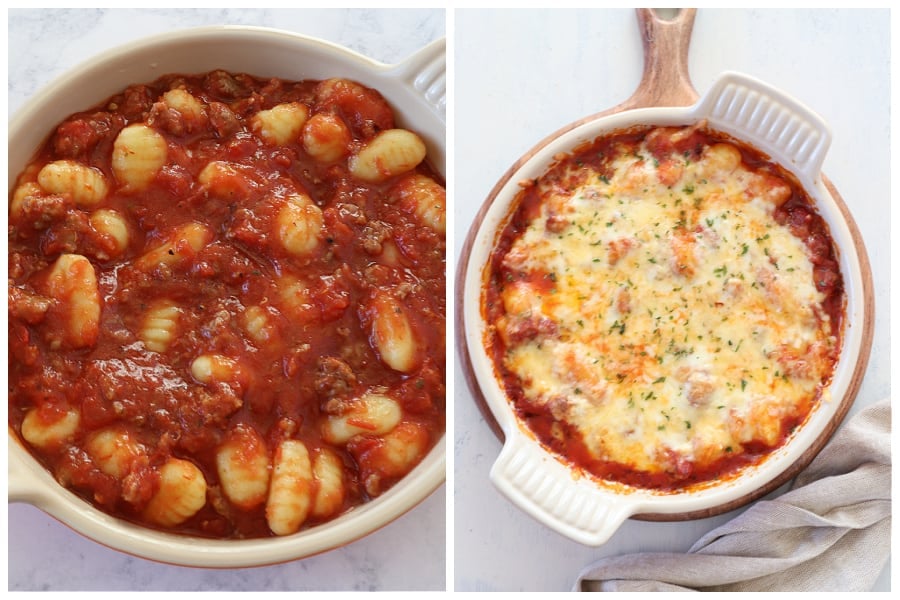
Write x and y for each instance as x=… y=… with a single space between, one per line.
x=318 y=352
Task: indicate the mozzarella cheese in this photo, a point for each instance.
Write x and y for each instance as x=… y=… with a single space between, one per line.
x=681 y=322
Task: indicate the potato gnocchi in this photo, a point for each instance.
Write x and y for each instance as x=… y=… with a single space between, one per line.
x=227 y=303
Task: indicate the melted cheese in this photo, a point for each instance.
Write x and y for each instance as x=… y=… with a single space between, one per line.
x=682 y=323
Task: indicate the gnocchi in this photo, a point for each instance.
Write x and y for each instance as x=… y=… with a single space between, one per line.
x=242 y=462
x=280 y=124
x=139 y=152
x=21 y=195
x=114 y=450
x=296 y=298
x=181 y=494
x=299 y=225
x=258 y=323
x=72 y=282
x=196 y=268
x=391 y=455
x=392 y=333
x=423 y=197
x=182 y=245
x=160 y=325
x=191 y=109
x=113 y=225
x=86 y=185
x=326 y=137
x=328 y=472
x=388 y=154
x=225 y=180
x=291 y=496
x=216 y=368
x=48 y=429
x=373 y=413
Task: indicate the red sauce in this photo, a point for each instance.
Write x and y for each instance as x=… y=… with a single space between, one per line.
x=319 y=354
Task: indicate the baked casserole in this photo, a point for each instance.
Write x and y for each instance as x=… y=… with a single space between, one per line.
x=664 y=307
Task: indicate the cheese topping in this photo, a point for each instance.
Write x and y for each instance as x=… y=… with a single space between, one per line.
x=653 y=303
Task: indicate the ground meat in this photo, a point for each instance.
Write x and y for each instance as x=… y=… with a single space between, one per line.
x=224 y=85
x=29 y=307
x=169 y=119
x=66 y=236
x=224 y=122
x=527 y=327
x=334 y=378
x=38 y=211
x=136 y=101
x=364 y=109
x=351 y=213
x=373 y=236
x=77 y=137
x=139 y=485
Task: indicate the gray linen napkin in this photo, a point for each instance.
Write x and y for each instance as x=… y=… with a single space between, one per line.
x=830 y=532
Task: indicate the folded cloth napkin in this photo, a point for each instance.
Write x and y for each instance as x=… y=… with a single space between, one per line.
x=830 y=532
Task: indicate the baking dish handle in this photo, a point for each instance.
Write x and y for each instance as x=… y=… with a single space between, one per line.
x=425 y=72
x=665 y=80
x=546 y=490
x=23 y=483
x=769 y=119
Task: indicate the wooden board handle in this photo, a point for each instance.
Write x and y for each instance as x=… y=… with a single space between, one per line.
x=665 y=81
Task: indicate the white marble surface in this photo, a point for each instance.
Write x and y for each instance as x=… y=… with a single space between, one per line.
x=408 y=554
x=521 y=75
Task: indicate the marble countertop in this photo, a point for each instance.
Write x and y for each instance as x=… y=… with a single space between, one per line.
x=520 y=75
x=408 y=554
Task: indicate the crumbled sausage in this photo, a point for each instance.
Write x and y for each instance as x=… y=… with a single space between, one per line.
x=135 y=102
x=76 y=138
x=224 y=122
x=224 y=85
x=364 y=109
x=373 y=236
x=27 y=306
x=38 y=211
x=65 y=236
x=334 y=378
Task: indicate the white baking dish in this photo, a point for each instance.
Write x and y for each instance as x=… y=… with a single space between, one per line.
x=415 y=88
x=590 y=511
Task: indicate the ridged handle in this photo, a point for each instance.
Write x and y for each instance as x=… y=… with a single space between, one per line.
x=546 y=490
x=426 y=73
x=769 y=119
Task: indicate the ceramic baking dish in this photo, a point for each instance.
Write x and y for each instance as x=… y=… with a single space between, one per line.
x=415 y=88
x=750 y=111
